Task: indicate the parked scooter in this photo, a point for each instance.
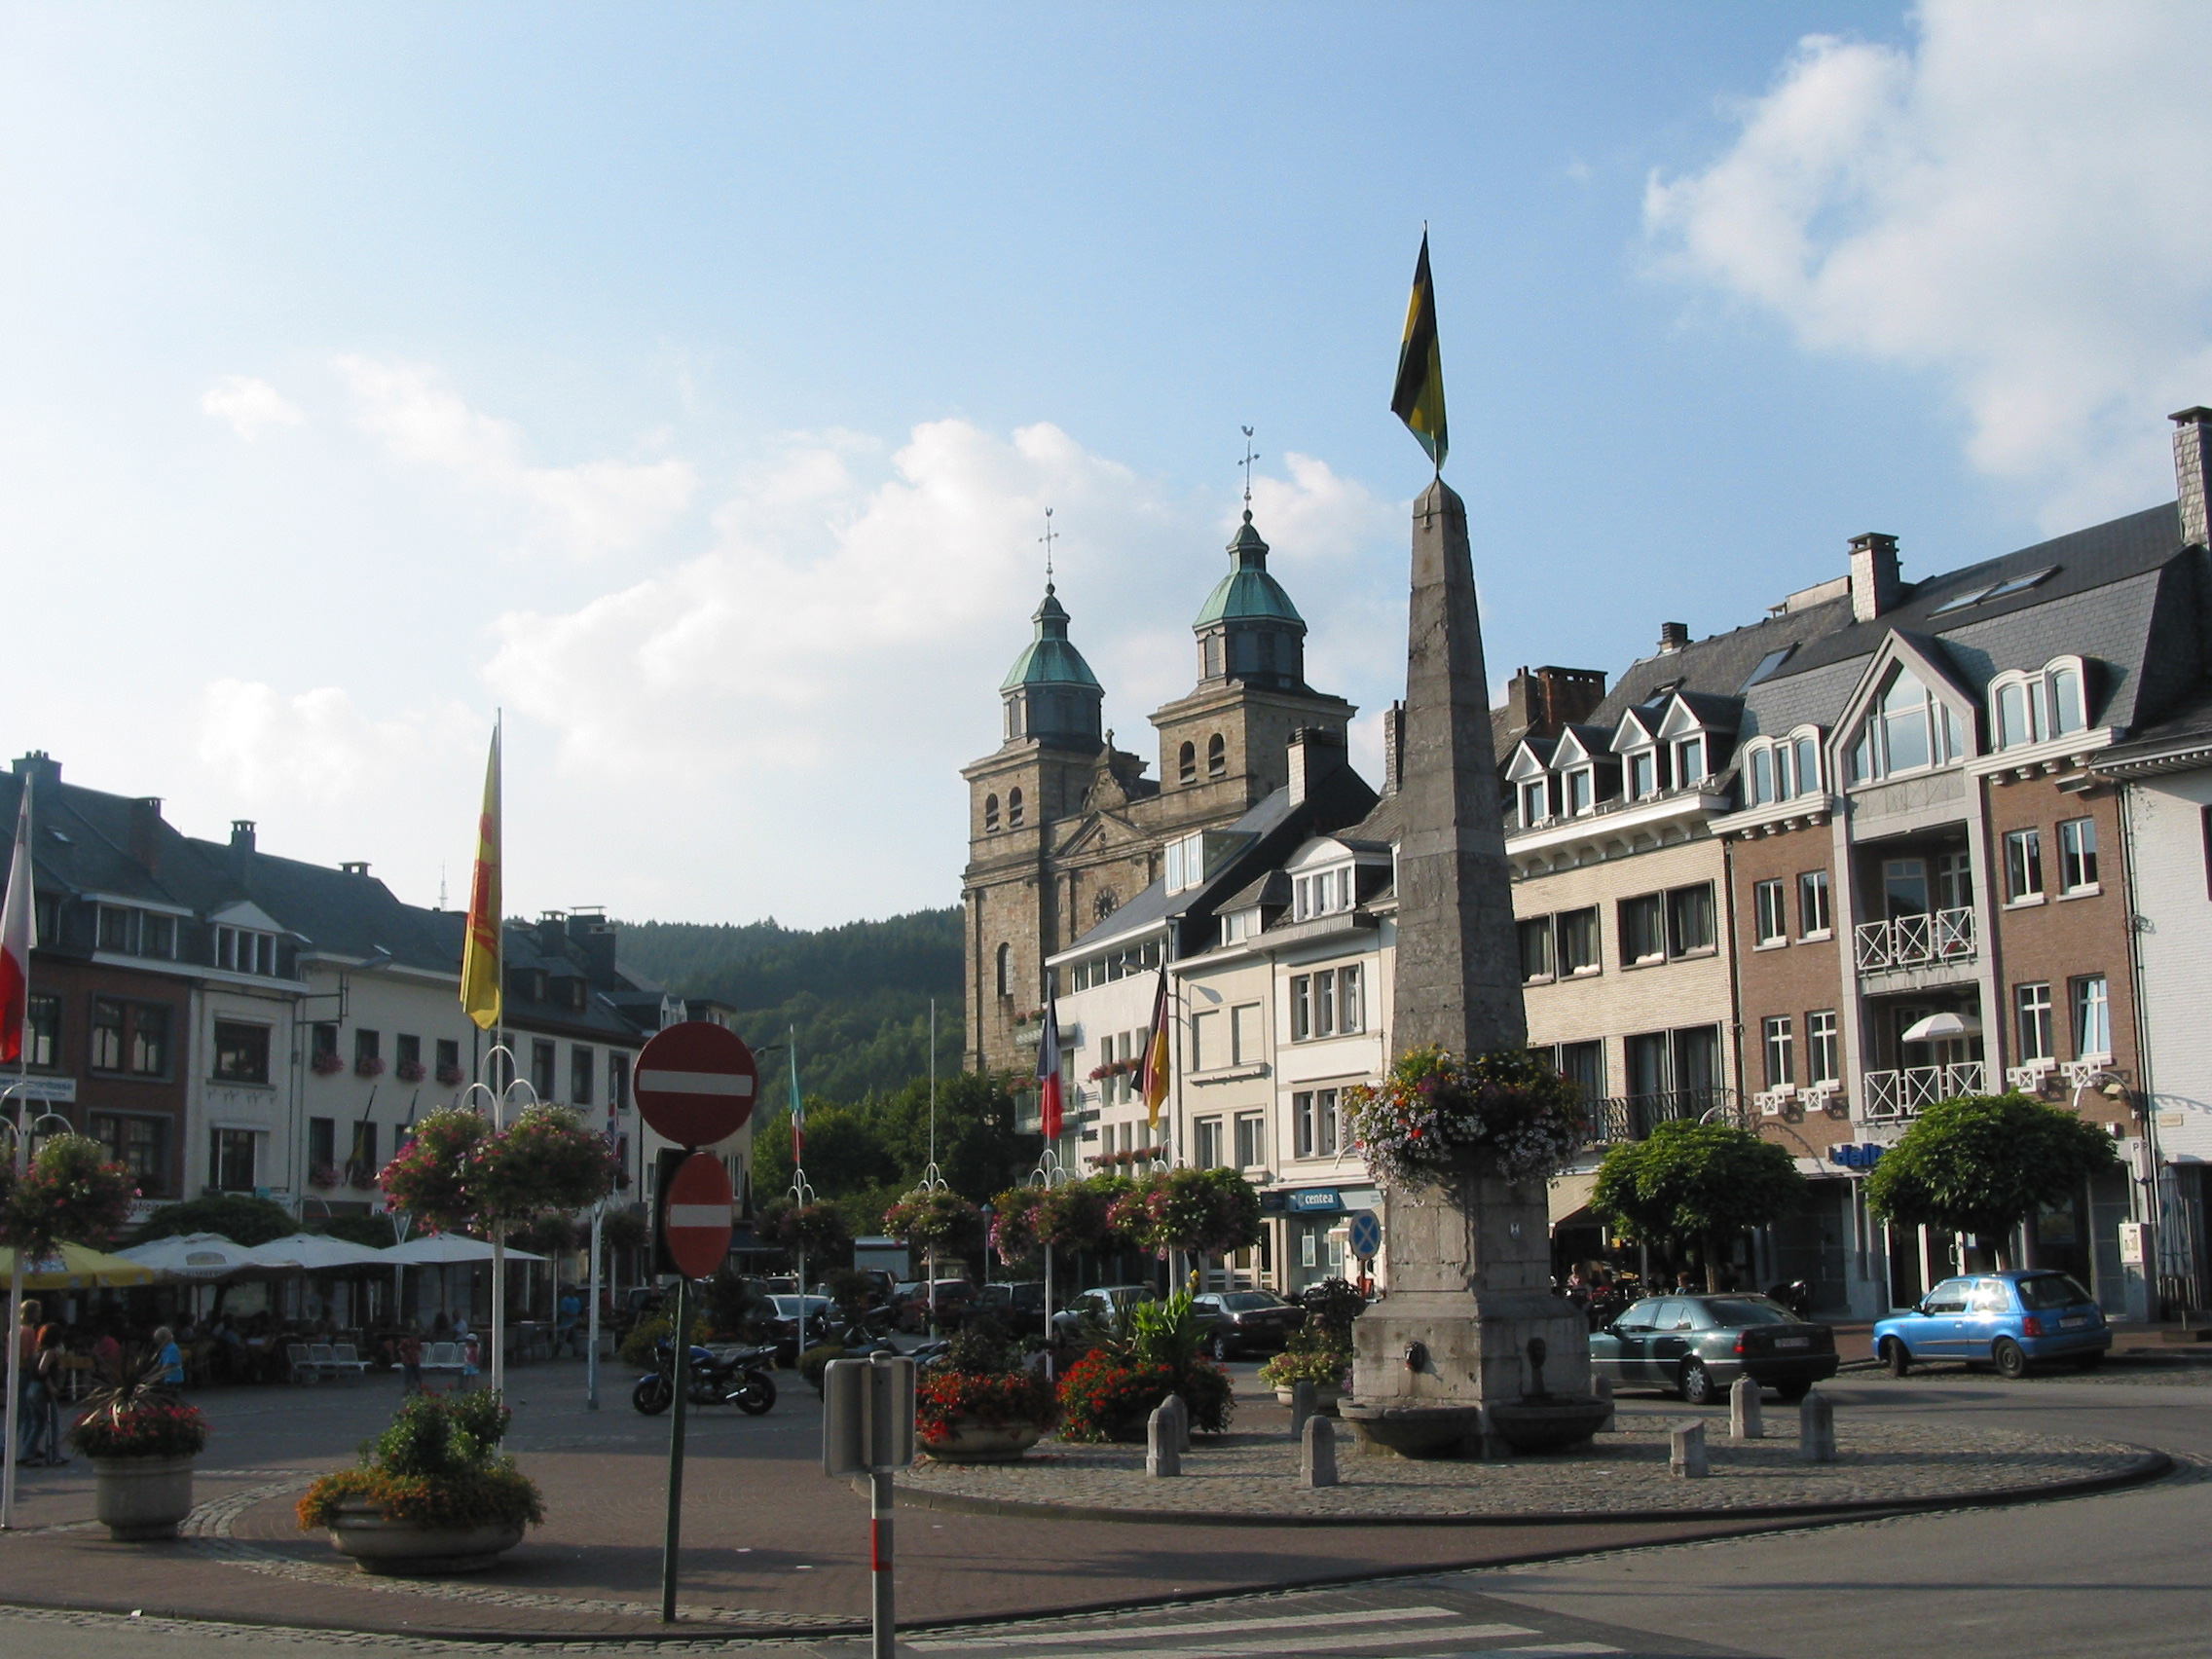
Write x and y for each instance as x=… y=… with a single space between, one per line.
x=737 y=1377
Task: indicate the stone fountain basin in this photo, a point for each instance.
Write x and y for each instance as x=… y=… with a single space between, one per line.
x=1547 y=1426
x=1415 y=1431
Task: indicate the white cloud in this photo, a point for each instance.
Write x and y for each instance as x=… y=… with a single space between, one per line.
x=316 y=748
x=250 y=406
x=2018 y=203
x=595 y=506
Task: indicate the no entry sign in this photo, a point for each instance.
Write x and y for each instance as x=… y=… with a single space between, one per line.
x=696 y=1219
x=696 y=1081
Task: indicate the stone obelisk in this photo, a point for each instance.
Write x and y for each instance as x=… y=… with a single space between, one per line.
x=1469 y=1261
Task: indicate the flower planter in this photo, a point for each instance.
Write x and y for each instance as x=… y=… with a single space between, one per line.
x=142 y=1499
x=972 y=1442
x=1325 y=1397
x=405 y=1548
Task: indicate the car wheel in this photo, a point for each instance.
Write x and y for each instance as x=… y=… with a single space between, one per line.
x=1219 y=1348
x=757 y=1396
x=2091 y=1360
x=2011 y=1359
x=1697 y=1383
x=1897 y=1360
x=652 y=1395
x=1793 y=1393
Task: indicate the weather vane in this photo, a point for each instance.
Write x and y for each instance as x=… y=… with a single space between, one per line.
x=1250 y=456
x=1048 y=538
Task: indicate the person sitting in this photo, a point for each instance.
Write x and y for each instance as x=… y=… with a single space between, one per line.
x=107 y=1354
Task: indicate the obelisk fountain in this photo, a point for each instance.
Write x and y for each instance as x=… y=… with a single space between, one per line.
x=1446 y=1356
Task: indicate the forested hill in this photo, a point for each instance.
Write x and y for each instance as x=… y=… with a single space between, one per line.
x=858 y=994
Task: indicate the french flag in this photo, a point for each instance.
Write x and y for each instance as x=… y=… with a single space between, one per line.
x=19 y=932
x=1048 y=1071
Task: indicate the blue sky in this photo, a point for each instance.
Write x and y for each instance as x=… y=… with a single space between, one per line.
x=691 y=381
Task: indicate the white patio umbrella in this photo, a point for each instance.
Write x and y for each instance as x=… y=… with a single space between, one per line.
x=444 y=1249
x=316 y=1252
x=1941 y=1027
x=192 y=1256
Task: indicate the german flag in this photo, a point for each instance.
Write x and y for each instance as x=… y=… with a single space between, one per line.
x=1419 y=398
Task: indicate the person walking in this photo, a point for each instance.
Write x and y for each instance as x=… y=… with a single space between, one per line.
x=410 y=1362
x=169 y=1359
x=28 y=1397
x=42 y=1430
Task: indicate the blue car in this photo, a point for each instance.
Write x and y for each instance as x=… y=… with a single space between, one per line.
x=2011 y=1321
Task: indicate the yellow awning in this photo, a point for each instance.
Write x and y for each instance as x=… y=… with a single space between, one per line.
x=76 y=1267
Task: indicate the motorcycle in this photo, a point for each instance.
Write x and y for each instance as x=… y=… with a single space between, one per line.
x=736 y=1377
x=1796 y=1295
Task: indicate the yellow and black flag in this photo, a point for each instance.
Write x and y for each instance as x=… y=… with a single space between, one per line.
x=1419 y=398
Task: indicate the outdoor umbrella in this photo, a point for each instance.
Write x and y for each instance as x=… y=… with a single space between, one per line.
x=193 y=1256
x=1936 y=1027
x=316 y=1252
x=76 y=1267
x=442 y=1249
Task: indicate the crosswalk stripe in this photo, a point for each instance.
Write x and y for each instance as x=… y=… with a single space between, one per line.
x=1554 y=1650
x=1139 y=1633
x=1339 y=1640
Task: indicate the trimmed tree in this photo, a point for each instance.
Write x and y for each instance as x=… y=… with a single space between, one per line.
x=1983 y=1164
x=1701 y=1182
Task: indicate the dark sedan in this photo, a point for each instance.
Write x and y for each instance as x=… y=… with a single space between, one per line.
x=1698 y=1345
x=1247 y=1321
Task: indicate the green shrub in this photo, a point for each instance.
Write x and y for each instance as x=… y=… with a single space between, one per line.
x=440 y=1464
x=1103 y=1397
x=815 y=1359
x=1327 y=1368
x=638 y=1347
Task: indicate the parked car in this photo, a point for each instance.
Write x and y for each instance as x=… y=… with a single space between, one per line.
x=1698 y=1345
x=782 y=1327
x=1100 y=1304
x=1247 y=1321
x=2011 y=1321
x=911 y=1305
x=1017 y=1306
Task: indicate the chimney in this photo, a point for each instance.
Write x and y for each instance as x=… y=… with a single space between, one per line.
x=38 y=767
x=241 y=835
x=1572 y=695
x=1313 y=754
x=145 y=831
x=359 y=866
x=1393 y=746
x=1873 y=575
x=1673 y=637
x=2193 y=464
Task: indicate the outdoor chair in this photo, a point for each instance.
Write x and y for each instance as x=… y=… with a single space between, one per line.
x=300 y=1366
x=347 y=1361
x=326 y=1363
x=441 y=1356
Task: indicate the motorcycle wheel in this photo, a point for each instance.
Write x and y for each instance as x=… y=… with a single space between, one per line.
x=756 y=1396
x=652 y=1395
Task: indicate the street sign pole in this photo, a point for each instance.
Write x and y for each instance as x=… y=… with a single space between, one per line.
x=679 y=1349
x=867 y=1428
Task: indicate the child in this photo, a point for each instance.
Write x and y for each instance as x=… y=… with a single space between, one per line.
x=410 y=1362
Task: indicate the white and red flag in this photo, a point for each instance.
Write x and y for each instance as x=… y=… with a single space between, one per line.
x=19 y=932
x=1048 y=1071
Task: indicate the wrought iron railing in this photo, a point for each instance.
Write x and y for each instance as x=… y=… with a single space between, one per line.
x=1916 y=942
x=1633 y=1117
x=1905 y=1094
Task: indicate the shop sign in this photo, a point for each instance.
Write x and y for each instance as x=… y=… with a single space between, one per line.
x=1863 y=1155
x=1313 y=1200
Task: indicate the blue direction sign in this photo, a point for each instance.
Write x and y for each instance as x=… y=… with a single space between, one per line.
x=1365 y=1236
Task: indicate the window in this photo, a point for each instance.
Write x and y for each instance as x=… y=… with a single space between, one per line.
x=1326 y=1004
x=2031 y=1018
x=1763 y=776
x=1187 y=763
x=1534 y=803
x=1205 y=1040
x=1577 y=942
x=1689 y=919
x=1536 y=949
x=141 y=1145
x=1245 y=1034
x=1251 y=1139
x=2023 y=866
x=149 y=1040
x=990 y=814
x=1770 y=909
x=42 y=1042
x=1813 y=904
x=157 y=936
x=408 y=1053
x=1642 y=938
x=1908 y=729
x=541 y=1069
x=1642 y=774
x=1013 y=809
x=1321 y=895
x=581 y=1069
x=2028 y=708
x=2078 y=855
x=1581 y=792
x=1781 y=1051
x=1217 y=756
x=231 y=1160
x=1583 y=1065
x=119 y=929
x=449 y=1059
x=322 y=1144
x=1004 y=958
x=242 y=950
x=1808 y=767
x=1823 y=1048
x=368 y=1051
x=618 y=1082
x=1205 y=1143
x=241 y=1051
x=2092 y=1018
x=107 y=1034
x=1689 y=762
x=1313 y=1123
x=1185 y=863
x=326 y=1038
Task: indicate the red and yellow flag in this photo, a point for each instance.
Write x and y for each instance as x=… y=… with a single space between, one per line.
x=480 y=996
x=1153 y=1088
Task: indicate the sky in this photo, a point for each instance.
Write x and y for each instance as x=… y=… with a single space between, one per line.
x=688 y=383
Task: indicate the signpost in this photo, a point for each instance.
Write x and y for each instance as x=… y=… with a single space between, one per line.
x=867 y=1428
x=1364 y=1235
x=695 y=1084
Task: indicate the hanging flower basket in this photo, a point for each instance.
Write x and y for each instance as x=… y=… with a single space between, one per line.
x=1208 y=1211
x=1014 y=1225
x=1439 y=1117
x=449 y=1075
x=369 y=1066
x=72 y=1192
x=327 y=1063
x=409 y=1071
x=545 y=1162
x=942 y=1221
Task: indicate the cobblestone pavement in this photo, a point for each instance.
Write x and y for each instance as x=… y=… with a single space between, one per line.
x=1626 y=1472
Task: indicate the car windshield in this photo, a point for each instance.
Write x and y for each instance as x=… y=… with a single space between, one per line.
x=788 y=1306
x=2045 y=1291
x=1729 y=1312
x=1247 y=1301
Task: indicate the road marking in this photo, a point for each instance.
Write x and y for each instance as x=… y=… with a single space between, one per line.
x=1338 y=1634
x=1555 y=1650
x=1376 y=1615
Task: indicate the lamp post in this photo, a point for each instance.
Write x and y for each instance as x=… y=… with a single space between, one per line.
x=499 y=1230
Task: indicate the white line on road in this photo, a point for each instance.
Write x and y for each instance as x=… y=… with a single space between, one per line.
x=1133 y=1633
x=1338 y=1633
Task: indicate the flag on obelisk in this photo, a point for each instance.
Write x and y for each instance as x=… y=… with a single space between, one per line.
x=19 y=932
x=1048 y=1071
x=480 y=988
x=1153 y=1084
x=1417 y=397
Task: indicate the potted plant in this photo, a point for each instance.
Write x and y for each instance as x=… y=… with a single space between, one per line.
x=368 y=1065
x=410 y=1071
x=1153 y=1350
x=142 y=1440
x=1440 y=1118
x=1312 y=1354
x=433 y=1493
x=981 y=1404
x=327 y=1063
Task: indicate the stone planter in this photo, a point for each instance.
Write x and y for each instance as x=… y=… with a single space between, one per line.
x=1325 y=1398
x=140 y=1500
x=972 y=1442
x=405 y=1548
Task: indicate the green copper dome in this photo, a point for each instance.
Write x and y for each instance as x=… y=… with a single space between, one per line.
x=1249 y=594
x=1049 y=659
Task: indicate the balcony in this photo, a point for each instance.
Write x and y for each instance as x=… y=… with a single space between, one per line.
x=1633 y=1117
x=1929 y=939
x=1892 y=1096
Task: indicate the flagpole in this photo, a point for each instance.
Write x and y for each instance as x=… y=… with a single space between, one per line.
x=20 y=1154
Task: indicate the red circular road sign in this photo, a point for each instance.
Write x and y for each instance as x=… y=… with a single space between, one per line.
x=696 y=1081
x=697 y=1222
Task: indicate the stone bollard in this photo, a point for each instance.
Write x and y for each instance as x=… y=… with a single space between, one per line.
x=1317 y=1452
x=1182 y=1409
x=1815 y=1429
x=1162 y=1449
x=1745 y=1421
x=1686 y=1453
x=1601 y=1389
x=1301 y=1407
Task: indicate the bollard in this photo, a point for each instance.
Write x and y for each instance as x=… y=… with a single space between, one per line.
x=1182 y=1422
x=1317 y=1452
x=1601 y=1389
x=1163 y=1453
x=1745 y=1421
x=1301 y=1407
x=1686 y=1453
x=1815 y=1429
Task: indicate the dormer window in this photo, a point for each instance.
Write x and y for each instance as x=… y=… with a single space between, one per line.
x=247 y=950
x=1533 y=803
x=1642 y=774
x=1909 y=730
x=1581 y=792
x=1763 y=776
x=1808 y=765
x=1321 y=894
x=1689 y=760
x=2029 y=708
x=1784 y=769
